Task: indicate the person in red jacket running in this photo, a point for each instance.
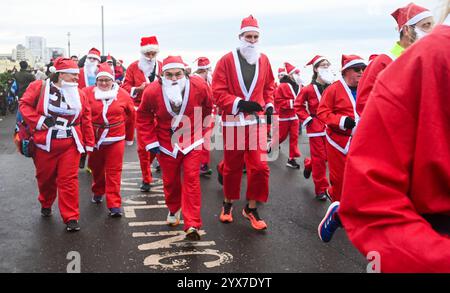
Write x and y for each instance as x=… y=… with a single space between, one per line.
x=140 y=74
x=113 y=118
x=60 y=115
x=306 y=107
x=396 y=194
x=337 y=111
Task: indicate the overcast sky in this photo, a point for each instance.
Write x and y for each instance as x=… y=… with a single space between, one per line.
x=291 y=30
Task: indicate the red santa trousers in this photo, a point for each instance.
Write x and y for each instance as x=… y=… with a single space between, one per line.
x=290 y=128
x=57 y=173
x=336 y=165
x=245 y=144
x=145 y=159
x=106 y=165
x=183 y=190
x=318 y=151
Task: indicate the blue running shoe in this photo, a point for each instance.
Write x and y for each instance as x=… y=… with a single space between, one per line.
x=329 y=223
x=97 y=199
x=115 y=212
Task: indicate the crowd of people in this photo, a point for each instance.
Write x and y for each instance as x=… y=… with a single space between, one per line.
x=379 y=127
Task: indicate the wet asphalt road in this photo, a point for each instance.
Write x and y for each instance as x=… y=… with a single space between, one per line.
x=141 y=242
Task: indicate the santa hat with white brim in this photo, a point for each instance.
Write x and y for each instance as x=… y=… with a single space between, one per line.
x=172 y=62
x=149 y=44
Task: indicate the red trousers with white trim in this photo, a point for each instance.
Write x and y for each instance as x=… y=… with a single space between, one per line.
x=183 y=191
x=57 y=173
x=318 y=149
x=246 y=144
x=106 y=165
x=336 y=165
x=145 y=159
x=289 y=128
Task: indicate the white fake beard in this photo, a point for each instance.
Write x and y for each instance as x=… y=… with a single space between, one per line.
x=419 y=33
x=249 y=51
x=90 y=67
x=173 y=90
x=106 y=95
x=326 y=75
x=146 y=65
x=209 y=77
x=298 y=79
x=69 y=90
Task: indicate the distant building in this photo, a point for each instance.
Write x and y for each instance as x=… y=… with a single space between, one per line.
x=23 y=54
x=37 y=46
x=53 y=52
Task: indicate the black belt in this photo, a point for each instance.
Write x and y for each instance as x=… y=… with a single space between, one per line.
x=69 y=133
x=440 y=223
x=107 y=125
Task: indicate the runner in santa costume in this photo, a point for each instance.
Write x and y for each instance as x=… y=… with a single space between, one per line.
x=113 y=119
x=170 y=123
x=413 y=23
x=337 y=111
x=89 y=71
x=242 y=86
x=396 y=198
x=306 y=108
x=60 y=115
x=204 y=70
x=139 y=74
x=285 y=96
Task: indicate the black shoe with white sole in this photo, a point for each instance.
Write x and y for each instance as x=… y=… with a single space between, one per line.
x=293 y=164
x=145 y=187
x=72 y=226
x=46 y=212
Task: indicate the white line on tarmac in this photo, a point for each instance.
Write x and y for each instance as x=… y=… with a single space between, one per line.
x=150 y=223
x=130 y=211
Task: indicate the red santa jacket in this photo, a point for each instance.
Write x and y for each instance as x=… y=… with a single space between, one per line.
x=35 y=109
x=134 y=77
x=369 y=77
x=157 y=124
x=285 y=97
x=310 y=95
x=337 y=104
x=398 y=168
x=113 y=120
x=228 y=88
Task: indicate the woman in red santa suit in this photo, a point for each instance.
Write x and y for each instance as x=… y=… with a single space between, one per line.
x=306 y=108
x=113 y=119
x=140 y=74
x=170 y=123
x=60 y=115
x=204 y=70
x=285 y=96
x=396 y=194
x=337 y=109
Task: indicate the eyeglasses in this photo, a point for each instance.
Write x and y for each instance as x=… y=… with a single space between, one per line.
x=104 y=80
x=170 y=75
x=358 y=69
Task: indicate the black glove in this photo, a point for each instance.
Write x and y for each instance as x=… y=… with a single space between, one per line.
x=49 y=122
x=249 y=106
x=269 y=113
x=349 y=123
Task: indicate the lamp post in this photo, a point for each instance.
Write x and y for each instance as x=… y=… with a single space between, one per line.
x=68 y=42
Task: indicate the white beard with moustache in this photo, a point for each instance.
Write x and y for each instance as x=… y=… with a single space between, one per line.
x=298 y=79
x=146 y=65
x=90 y=67
x=326 y=75
x=249 y=51
x=69 y=90
x=173 y=90
x=106 y=95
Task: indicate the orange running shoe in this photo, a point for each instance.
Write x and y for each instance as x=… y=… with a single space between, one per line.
x=226 y=215
x=253 y=216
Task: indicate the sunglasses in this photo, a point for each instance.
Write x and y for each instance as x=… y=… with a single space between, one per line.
x=358 y=69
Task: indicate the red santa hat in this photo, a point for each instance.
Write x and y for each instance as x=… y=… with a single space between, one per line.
x=203 y=63
x=173 y=62
x=349 y=61
x=65 y=65
x=291 y=69
x=149 y=44
x=105 y=70
x=410 y=15
x=94 y=53
x=314 y=61
x=282 y=71
x=372 y=57
x=249 y=24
